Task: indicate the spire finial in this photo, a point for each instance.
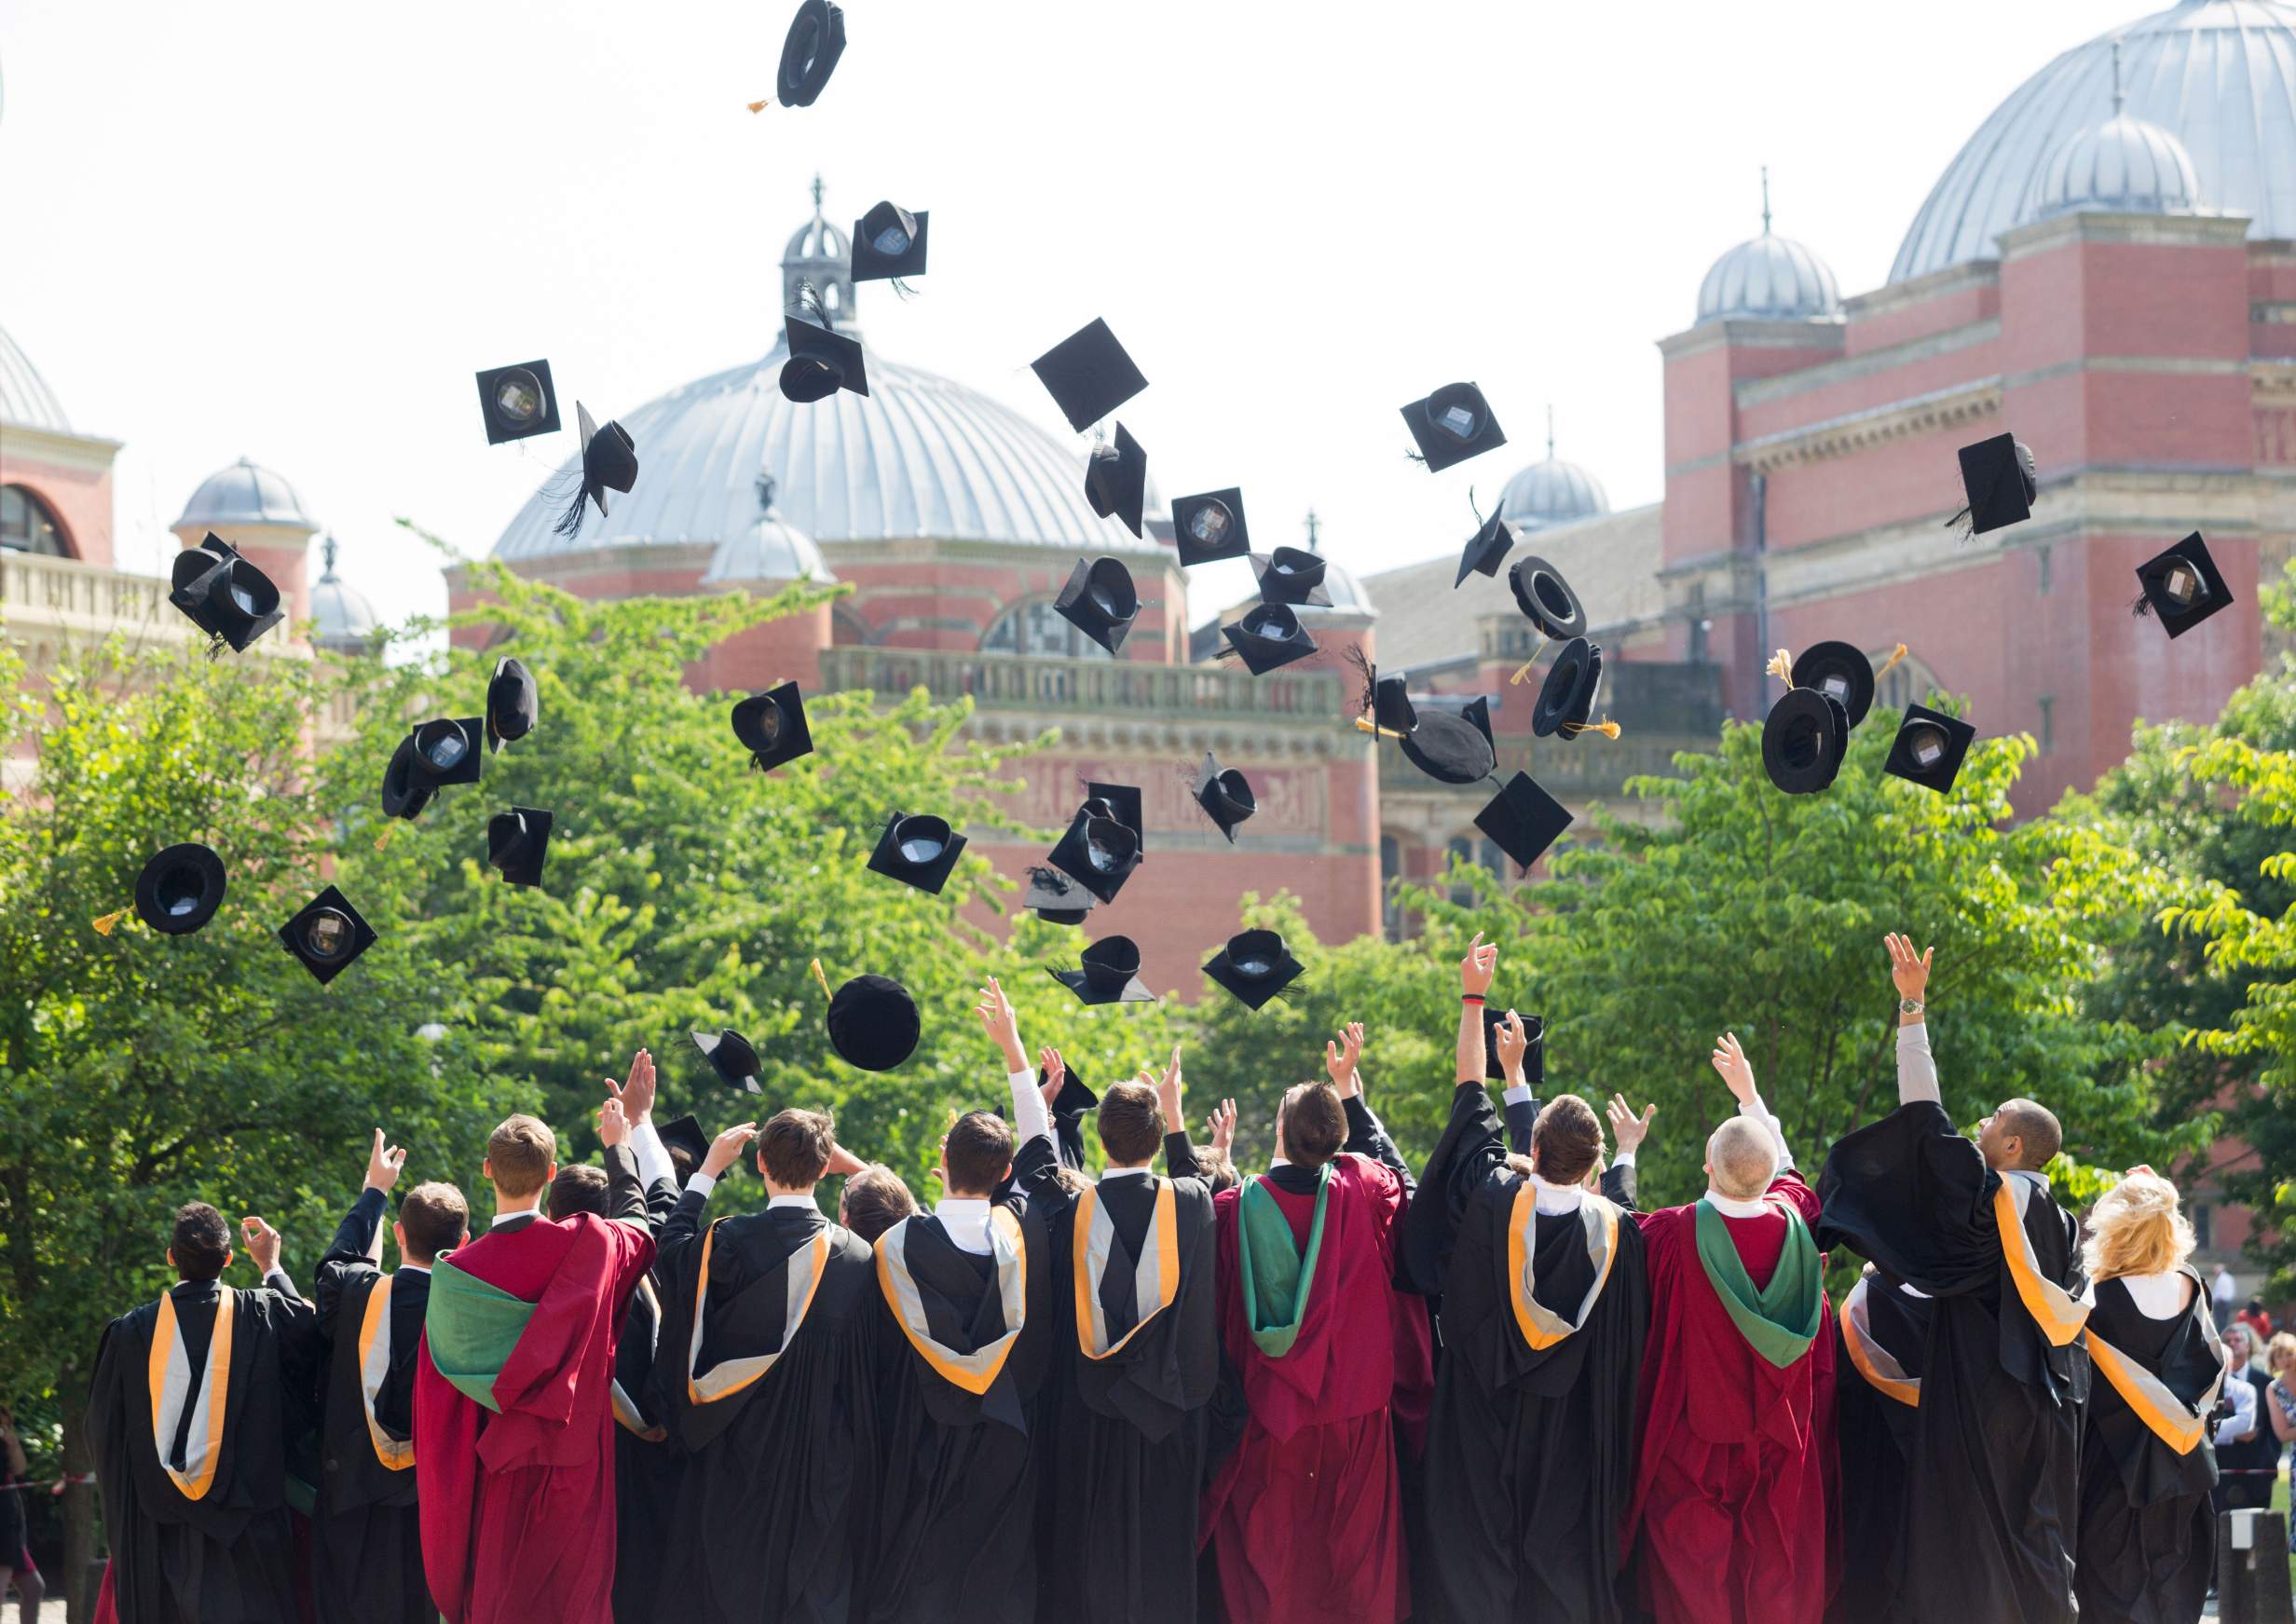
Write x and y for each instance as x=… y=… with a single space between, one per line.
x=1550 y=430
x=765 y=491
x=2118 y=98
x=817 y=192
x=326 y=553
x=1314 y=531
x=1765 y=199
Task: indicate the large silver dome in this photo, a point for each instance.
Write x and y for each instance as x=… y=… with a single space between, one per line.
x=2220 y=76
x=24 y=395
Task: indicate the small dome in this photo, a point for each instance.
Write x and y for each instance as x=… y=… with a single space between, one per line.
x=342 y=620
x=2124 y=166
x=1769 y=278
x=771 y=549
x=1553 y=492
x=25 y=398
x=817 y=241
x=244 y=494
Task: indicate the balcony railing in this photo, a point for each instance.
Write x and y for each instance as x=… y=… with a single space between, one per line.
x=1011 y=682
x=85 y=596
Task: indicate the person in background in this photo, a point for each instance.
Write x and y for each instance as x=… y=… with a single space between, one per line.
x=1218 y=1164
x=874 y=1200
x=2247 y=1455
x=15 y=1539
x=2258 y=1319
x=2223 y=1291
x=2280 y=1392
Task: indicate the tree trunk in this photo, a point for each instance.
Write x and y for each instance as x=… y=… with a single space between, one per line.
x=80 y=1501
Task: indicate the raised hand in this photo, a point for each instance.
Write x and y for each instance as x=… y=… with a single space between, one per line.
x=1627 y=1131
x=1340 y=1058
x=1170 y=1089
x=262 y=1244
x=726 y=1149
x=637 y=1094
x=383 y=1165
x=1001 y=1025
x=1512 y=1043
x=1220 y=1127
x=613 y=1125
x=1909 y=969
x=1737 y=1071
x=1477 y=967
x=842 y=1162
x=1051 y=1073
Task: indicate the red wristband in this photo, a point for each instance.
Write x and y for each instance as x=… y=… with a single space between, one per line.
x=1470 y=998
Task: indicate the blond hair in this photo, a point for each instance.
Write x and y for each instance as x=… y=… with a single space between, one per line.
x=2279 y=1351
x=2136 y=1229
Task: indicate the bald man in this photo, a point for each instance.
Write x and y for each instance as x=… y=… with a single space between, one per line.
x=1994 y=1458
x=1734 y=1513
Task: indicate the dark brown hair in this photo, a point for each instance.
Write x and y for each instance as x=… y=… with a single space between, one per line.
x=433 y=1217
x=1315 y=1123
x=1567 y=1139
x=1131 y=1122
x=519 y=1155
x=795 y=1147
x=201 y=1242
x=876 y=1200
x=581 y=1188
x=979 y=1151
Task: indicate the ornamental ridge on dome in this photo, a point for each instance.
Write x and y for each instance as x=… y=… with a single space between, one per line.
x=1769 y=278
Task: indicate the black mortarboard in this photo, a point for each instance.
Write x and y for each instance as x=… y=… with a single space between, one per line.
x=1054 y=898
x=889 y=242
x=1124 y=803
x=873 y=1023
x=1255 y=966
x=327 y=934
x=516 y=842
x=1841 y=671
x=1088 y=375
x=1929 y=748
x=223 y=595
x=1567 y=698
x=1209 y=526
x=1268 y=636
x=1391 y=707
x=1998 y=477
x=518 y=401
x=1803 y=740
x=685 y=1133
x=1451 y=425
x=1453 y=746
x=821 y=363
x=1098 y=853
x=917 y=851
x=1484 y=553
x=1109 y=974
x=1534 y=1048
x=1545 y=596
x=1224 y=794
x=1292 y=575
x=1523 y=820
x=512 y=703
x=405 y=791
x=1117 y=480
x=2182 y=586
x=609 y=463
x=808 y=52
x=731 y=1056
x=771 y=726
x=179 y=889
x=447 y=750
x=1100 y=601
x=1074 y=1097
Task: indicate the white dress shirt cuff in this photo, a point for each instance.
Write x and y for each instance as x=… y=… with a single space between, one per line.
x=1755 y=1108
x=653 y=1157
x=702 y=1184
x=1623 y=1159
x=1030 y=1120
x=1518 y=1094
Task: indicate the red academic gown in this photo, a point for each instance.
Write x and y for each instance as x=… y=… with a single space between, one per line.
x=1735 y=1516
x=518 y=1508
x=1306 y=1515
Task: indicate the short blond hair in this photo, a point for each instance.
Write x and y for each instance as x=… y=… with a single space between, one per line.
x=2136 y=1229
x=2279 y=1351
x=520 y=1154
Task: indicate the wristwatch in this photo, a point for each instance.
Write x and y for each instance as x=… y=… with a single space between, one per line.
x=1910 y=1007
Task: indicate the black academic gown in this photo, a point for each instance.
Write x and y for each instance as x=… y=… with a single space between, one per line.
x=1530 y=1452
x=2148 y=1531
x=1873 y=1428
x=227 y=1556
x=953 y=1529
x=772 y=1490
x=366 y=1532
x=645 y=1463
x=1993 y=1495
x=1124 y=1437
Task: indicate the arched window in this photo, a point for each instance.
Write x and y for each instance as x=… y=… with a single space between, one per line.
x=29 y=524
x=1037 y=628
x=1907 y=682
x=1484 y=853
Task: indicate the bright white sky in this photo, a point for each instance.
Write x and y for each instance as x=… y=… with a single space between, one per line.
x=294 y=231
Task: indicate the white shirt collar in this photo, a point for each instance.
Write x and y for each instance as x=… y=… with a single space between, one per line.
x=806 y=1201
x=524 y=1212
x=2040 y=1181
x=1275 y=1162
x=1730 y=1206
x=1555 y=1199
x=413 y=1268
x=965 y=1220
x=1108 y=1173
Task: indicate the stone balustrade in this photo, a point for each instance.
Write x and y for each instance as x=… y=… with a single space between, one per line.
x=1008 y=682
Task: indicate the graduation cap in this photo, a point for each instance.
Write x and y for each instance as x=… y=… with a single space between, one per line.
x=1453 y=746
x=771 y=726
x=889 y=242
x=518 y=401
x=1109 y=974
x=1567 y=697
x=1123 y=803
x=446 y=750
x=1097 y=851
x=1100 y=601
x=731 y=1056
x=405 y=791
x=1255 y=966
x=1546 y=598
x=1224 y=794
x=1534 y=1048
x=1451 y=425
x=808 y=52
x=1270 y=636
x=1054 y=898
x=609 y=463
x=1485 y=552
x=1117 y=480
x=178 y=891
x=511 y=702
x=1929 y=748
x=1074 y=1097
x=327 y=934
x=821 y=363
x=1088 y=375
x=873 y=1023
x=1391 y=707
x=1804 y=741
x=685 y=1133
x=1292 y=575
x=1523 y=820
x=516 y=842
x=1840 y=671
x=223 y=595
x=1209 y=526
x=919 y=851
x=2001 y=482
x=2182 y=586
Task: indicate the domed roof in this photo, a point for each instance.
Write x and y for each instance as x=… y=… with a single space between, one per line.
x=817 y=239
x=2122 y=166
x=770 y=548
x=25 y=398
x=1553 y=492
x=2220 y=76
x=244 y=494
x=1769 y=278
x=342 y=620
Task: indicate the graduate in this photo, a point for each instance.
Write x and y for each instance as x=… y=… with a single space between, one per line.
x=768 y=1386
x=1993 y=1466
x=1881 y=1331
x=513 y=1413
x=1530 y=1448
x=1127 y=1408
x=1734 y=1517
x=367 y=1529
x=188 y=1418
x=966 y=1332
x=1310 y=1329
x=2147 y=1547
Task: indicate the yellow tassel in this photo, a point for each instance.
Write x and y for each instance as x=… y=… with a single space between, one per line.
x=820 y=977
x=1365 y=724
x=1608 y=729
x=1898 y=654
x=1780 y=666
x=384 y=839
x=105 y=925
x=1523 y=670
x=761 y=106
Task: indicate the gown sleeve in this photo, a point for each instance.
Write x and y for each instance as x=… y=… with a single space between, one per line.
x=1468 y=1152
x=1912 y=1194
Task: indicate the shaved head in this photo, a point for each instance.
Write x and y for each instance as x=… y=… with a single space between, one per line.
x=2021 y=1134
x=1742 y=1159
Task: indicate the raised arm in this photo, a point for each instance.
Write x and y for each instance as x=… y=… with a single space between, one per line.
x=359 y=1238
x=1730 y=1058
x=1627 y=1132
x=1367 y=1136
x=1519 y=1105
x=1171 y=1098
x=1029 y=1117
x=1917 y=1070
x=685 y=1220
x=1475 y=972
x=625 y=1196
x=657 y=1176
